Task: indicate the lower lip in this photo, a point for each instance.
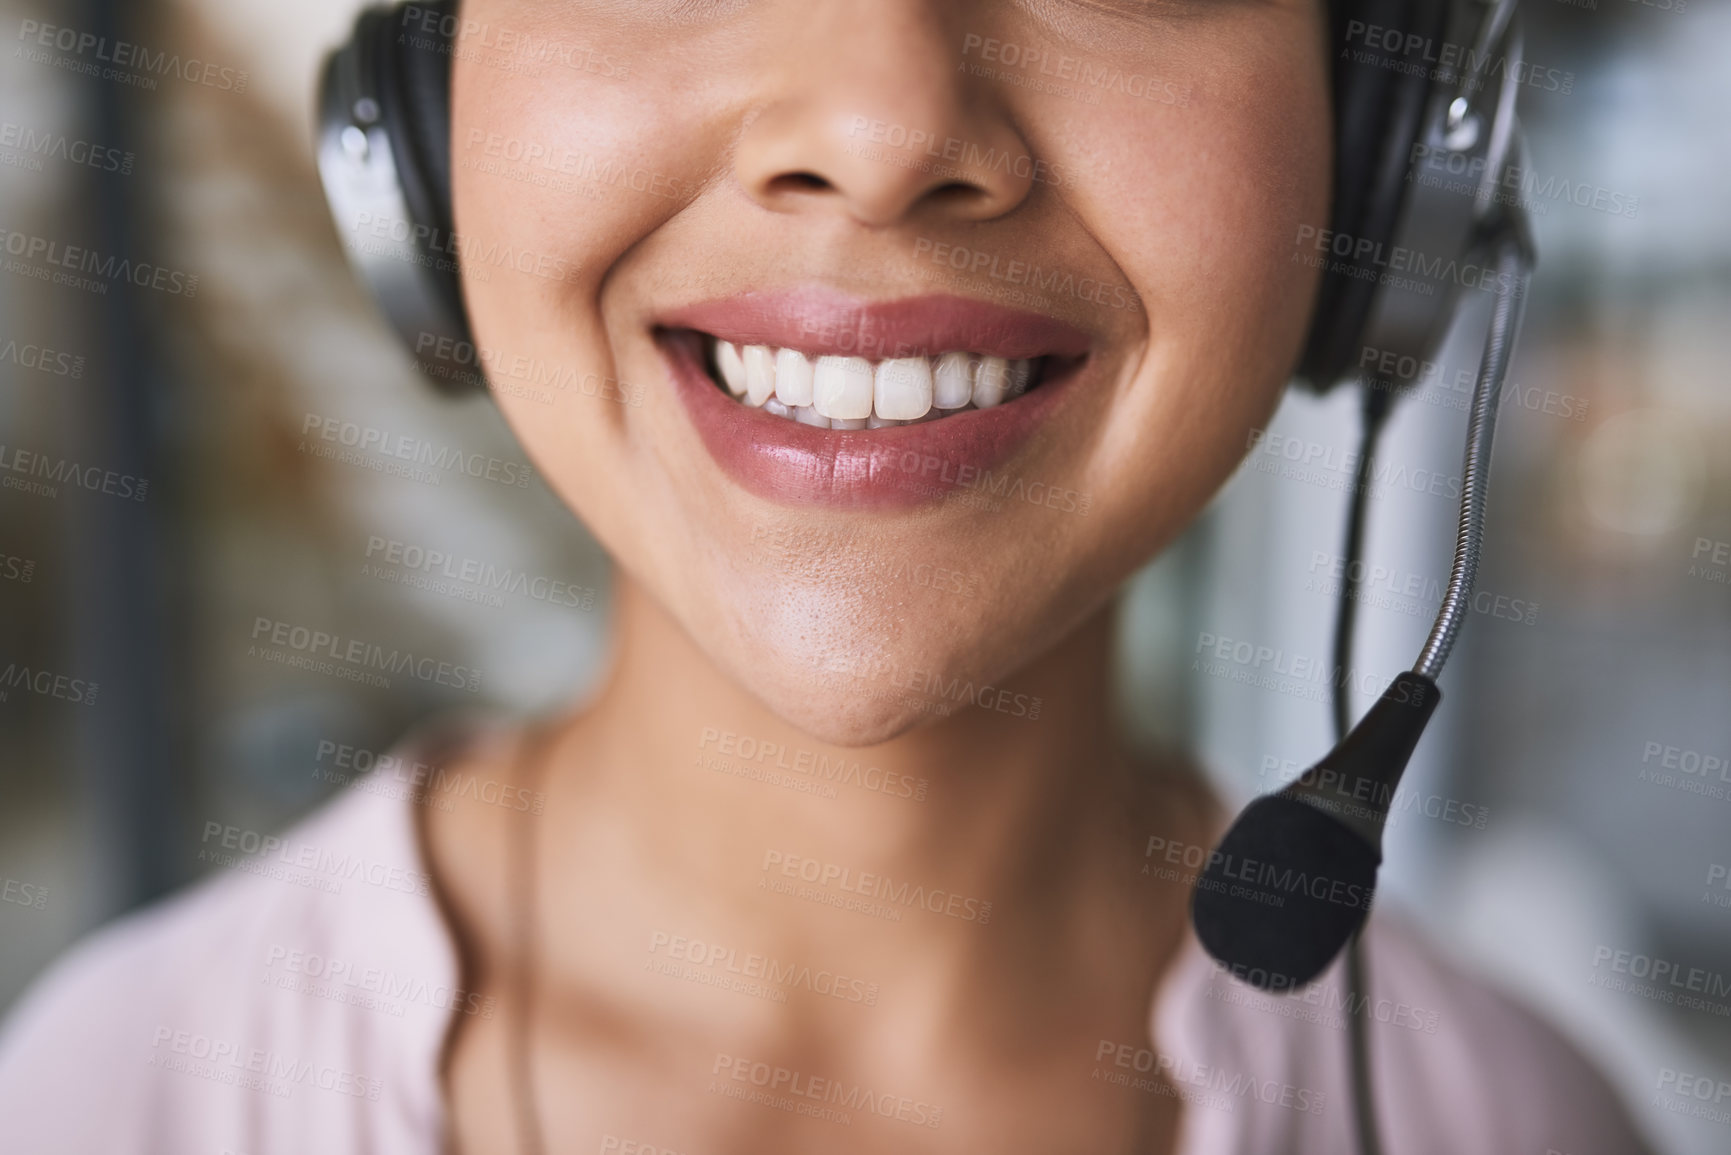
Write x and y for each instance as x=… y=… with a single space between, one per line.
x=896 y=467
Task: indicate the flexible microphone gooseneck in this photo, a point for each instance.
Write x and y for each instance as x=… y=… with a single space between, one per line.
x=1294 y=877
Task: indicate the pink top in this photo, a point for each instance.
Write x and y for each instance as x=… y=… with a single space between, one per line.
x=297 y=1003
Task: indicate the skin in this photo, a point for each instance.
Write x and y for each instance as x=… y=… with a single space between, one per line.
x=738 y=615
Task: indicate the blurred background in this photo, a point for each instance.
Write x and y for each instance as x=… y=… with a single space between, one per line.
x=165 y=487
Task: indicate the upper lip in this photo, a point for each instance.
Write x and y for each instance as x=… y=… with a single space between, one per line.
x=825 y=322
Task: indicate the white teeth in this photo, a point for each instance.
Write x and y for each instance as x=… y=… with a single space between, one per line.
x=902 y=388
x=759 y=374
x=842 y=387
x=792 y=377
x=953 y=382
x=853 y=393
x=732 y=368
x=992 y=383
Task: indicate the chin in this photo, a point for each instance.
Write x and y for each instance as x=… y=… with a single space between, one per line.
x=844 y=718
x=843 y=674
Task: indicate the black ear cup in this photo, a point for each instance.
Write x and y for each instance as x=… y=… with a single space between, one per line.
x=385 y=160
x=1380 y=100
x=415 y=92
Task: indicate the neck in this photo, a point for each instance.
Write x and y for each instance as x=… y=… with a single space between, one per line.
x=717 y=800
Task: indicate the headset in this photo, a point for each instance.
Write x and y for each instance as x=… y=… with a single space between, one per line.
x=1426 y=143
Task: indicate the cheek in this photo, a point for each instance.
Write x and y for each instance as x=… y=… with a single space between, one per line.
x=1202 y=214
x=1201 y=206
x=546 y=205
x=574 y=164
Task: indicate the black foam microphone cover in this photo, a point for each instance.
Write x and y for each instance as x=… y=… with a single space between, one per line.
x=1294 y=877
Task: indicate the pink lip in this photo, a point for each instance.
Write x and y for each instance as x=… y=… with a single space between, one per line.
x=820 y=322
x=908 y=465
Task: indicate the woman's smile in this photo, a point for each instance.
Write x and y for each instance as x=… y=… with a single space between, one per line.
x=811 y=396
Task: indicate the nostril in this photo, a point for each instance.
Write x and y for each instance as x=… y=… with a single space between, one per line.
x=959 y=191
x=800 y=182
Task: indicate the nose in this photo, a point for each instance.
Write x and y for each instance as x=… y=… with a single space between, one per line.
x=868 y=115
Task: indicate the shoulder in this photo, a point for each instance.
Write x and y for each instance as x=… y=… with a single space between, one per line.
x=251 y=1011
x=1476 y=1060
x=1455 y=1064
